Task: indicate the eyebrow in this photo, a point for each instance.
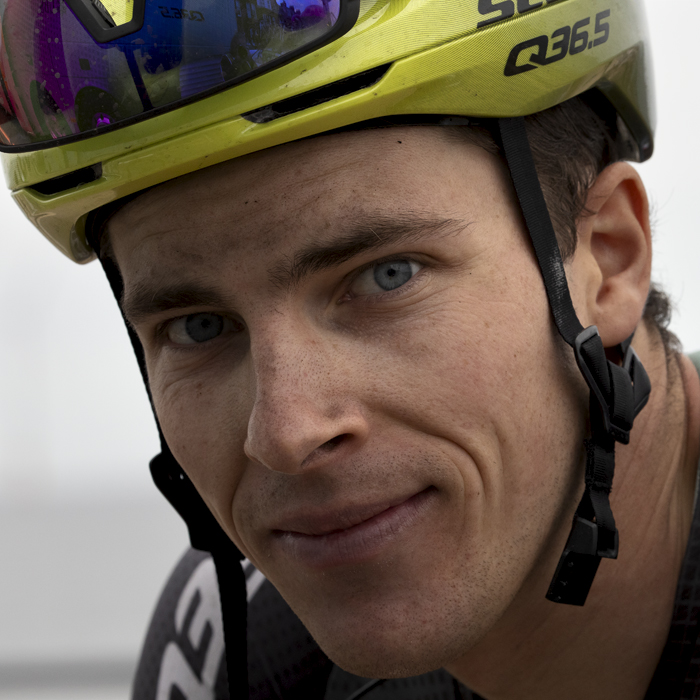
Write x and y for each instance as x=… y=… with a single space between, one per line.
x=145 y=299
x=365 y=235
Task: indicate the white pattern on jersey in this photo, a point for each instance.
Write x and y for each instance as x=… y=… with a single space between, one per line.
x=175 y=671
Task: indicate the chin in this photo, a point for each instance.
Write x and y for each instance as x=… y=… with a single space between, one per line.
x=382 y=650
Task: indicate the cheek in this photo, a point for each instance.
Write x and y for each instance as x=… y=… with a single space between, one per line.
x=486 y=379
x=203 y=421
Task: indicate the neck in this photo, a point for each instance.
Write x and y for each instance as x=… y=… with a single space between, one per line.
x=611 y=646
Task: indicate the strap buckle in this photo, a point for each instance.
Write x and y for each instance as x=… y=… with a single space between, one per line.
x=579 y=563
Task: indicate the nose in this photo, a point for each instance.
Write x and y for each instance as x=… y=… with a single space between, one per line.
x=305 y=409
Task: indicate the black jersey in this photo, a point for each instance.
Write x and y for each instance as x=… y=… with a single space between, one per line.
x=183 y=654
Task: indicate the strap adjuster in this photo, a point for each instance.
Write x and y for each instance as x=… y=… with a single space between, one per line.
x=610 y=384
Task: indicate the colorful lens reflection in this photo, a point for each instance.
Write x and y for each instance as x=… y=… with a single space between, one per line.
x=57 y=81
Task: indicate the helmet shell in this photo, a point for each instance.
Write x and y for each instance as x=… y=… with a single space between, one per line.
x=403 y=57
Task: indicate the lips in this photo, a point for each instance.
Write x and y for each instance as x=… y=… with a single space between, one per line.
x=329 y=520
x=349 y=535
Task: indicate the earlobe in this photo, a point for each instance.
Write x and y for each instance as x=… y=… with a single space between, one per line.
x=613 y=254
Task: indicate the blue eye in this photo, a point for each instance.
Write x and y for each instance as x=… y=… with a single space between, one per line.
x=384 y=277
x=196 y=328
x=392 y=275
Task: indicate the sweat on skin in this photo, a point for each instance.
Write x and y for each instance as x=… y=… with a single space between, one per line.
x=440 y=420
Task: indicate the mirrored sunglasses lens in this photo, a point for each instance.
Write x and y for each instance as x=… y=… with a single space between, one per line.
x=57 y=80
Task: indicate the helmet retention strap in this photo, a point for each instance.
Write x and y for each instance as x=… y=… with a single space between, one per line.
x=617 y=393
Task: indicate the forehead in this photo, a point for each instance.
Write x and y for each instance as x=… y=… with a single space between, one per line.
x=276 y=199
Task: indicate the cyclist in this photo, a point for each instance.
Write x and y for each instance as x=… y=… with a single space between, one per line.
x=354 y=277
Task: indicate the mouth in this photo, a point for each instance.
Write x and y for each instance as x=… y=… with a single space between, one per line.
x=353 y=535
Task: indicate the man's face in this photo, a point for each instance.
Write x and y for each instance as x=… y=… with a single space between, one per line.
x=351 y=356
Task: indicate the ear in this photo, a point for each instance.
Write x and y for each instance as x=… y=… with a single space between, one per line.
x=610 y=272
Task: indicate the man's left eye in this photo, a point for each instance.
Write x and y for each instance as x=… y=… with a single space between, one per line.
x=384 y=277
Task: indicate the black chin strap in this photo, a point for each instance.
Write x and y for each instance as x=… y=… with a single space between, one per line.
x=618 y=393
x=205 y=532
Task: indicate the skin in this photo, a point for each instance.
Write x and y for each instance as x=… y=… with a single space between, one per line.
x=326 y=393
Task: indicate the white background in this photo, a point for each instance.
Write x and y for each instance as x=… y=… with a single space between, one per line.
x=85 y=541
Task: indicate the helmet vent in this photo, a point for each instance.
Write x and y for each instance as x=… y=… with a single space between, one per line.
x=68 y=181
x=318 y=96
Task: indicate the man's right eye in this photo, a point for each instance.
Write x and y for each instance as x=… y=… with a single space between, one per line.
x=197 y=328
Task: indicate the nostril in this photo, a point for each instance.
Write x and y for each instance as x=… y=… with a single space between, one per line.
x=325 y=448
x=334 y=442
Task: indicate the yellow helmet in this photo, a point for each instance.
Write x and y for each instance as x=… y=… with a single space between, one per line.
x=102 y=99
